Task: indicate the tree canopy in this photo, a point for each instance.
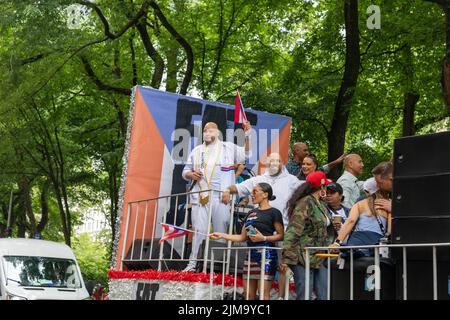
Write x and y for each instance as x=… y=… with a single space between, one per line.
x=67 y=69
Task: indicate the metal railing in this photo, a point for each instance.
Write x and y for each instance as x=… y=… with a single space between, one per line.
x=225 y=266
x=148 y=228
x=377 y=266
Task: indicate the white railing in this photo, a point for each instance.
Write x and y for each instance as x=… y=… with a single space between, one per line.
x=150 y=226
x=377 y=266
x=235 y=275
x=160 y=206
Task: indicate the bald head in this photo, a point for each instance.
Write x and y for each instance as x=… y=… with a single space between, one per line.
x=299 y=151
x=353 y=163
x=210 y=132
x=210 y=125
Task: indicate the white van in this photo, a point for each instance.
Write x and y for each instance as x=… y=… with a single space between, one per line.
x=36 y=269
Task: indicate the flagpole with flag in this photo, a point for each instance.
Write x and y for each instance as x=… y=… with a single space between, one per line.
x=239 y=112
x=171 y=231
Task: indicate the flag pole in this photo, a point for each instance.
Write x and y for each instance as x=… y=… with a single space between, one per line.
x=242 y=105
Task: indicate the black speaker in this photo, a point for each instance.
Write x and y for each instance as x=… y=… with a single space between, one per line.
x=362 y=280
x=134 y=261
x=422 y=155
x=420 y=280
x=219 y=256
x=421 y=230
x=420 y=204
x=421 y=196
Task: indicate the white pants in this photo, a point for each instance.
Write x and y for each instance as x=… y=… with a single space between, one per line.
x=220 y=218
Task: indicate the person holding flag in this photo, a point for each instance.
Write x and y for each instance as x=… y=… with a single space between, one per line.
x=211 y=167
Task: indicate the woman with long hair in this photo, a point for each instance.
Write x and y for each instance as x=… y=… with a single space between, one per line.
x=263 y=227
x=309 y=225
x=309 y=165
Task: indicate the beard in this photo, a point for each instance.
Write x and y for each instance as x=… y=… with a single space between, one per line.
x=274 y=170
x=209 y=138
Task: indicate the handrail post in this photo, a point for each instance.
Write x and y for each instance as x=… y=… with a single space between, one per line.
x=223 y=273
x=134 y=232
x=205 y=254
x=351 y=274
x=211 y=276
x=186 y=218
x=235 y=274
x=143 y=230
x=249 y=262
x=307 y=278
x=263 y=268
x=287 y=276
x=230 y=231
x=155 y=215
x=435 y=293
x=377 y=274
x=125 y=237
x=161 y=247
x=174 y=223
x=329 y=278
x=405 y=275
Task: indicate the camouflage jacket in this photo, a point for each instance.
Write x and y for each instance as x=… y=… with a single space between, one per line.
x=307 y=228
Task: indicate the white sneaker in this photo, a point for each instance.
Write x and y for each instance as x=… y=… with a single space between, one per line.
x=191 y=267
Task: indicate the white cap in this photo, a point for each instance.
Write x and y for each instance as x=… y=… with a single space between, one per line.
x=370 y=185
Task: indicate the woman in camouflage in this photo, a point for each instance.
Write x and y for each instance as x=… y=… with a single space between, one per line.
x=309 y=226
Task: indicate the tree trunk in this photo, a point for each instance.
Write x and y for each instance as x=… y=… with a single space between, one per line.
x=409 y=107
x=44 y=206
x=445 y=73
x=183 y=42
x=134 y=81
x=152 y=53
x=336 y=137
x=121 y=117
x=114 y=198
x=24 y=187
x=410 y=97
x=21 y=217
x=62 y=181
x=172 y=68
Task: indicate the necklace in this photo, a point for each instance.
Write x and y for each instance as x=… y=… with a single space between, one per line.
x=204 y=164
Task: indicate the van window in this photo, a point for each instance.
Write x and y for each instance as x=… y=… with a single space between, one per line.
x=41 y=272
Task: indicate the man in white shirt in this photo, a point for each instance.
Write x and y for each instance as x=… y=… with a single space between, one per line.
x=354 y=167
x=282 y=182
x=211 y=166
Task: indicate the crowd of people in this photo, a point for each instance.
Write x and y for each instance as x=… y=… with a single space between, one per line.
x=296 y=206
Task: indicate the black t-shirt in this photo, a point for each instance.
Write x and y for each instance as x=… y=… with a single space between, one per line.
x=264 y=221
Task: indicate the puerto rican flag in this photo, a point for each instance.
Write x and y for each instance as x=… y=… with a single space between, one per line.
x=239 y=113
x=171 y=231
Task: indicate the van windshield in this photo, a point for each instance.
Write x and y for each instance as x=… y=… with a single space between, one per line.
x=41 y=272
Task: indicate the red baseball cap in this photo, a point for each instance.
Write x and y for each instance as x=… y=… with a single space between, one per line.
x=318 y=179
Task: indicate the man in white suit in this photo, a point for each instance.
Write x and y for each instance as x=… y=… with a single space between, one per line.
x=211 y=166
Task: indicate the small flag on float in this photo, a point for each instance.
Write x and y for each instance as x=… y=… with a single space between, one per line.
x=239 y=112
x=171 y=231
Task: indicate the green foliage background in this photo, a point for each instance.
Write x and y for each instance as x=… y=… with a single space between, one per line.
x=64 y=96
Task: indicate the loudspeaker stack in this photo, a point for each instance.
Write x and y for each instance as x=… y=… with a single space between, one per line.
x=421 y=212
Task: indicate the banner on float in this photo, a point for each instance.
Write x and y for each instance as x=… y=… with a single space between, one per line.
x=164 y=128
